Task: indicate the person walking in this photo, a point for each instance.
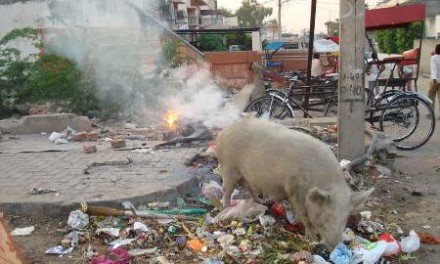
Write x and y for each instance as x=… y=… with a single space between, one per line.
x=434 y=88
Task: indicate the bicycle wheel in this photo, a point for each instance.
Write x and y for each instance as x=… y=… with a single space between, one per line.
x=379 y=104
x=270 y=107
x=409 y=120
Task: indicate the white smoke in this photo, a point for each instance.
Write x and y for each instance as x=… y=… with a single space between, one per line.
x=117 y=45
x=200 y=99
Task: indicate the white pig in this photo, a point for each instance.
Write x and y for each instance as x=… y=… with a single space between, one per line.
x=280 y=163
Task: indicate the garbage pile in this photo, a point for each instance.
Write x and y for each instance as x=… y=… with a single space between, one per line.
x=195 y=231
x=199 y=230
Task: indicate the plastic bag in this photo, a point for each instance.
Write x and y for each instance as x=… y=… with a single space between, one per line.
x=411 y=243
x=214 y=192
x=54 y=136
x=341 y=254
x=115 y=256
x=393 y=247
x=78 y=219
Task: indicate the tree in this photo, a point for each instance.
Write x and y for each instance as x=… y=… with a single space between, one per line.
x=252 y=14
x=398 y=40
x=225 y=12
x=332 y=28
x=211 y=42
x=243 y=40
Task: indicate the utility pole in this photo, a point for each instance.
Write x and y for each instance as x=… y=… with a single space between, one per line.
x=279 y=19
x=351 y=79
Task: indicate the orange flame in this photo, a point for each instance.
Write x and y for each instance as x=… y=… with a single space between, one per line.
x=172 y=117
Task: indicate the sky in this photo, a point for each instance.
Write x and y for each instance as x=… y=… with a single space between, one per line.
x=295 y=14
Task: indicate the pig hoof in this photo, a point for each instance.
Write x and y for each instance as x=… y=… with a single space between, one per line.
x=311 y=236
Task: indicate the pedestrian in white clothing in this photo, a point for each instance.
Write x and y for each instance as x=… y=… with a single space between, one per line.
x=435 y=77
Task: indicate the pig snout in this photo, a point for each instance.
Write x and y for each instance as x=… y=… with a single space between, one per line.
x=328 y=212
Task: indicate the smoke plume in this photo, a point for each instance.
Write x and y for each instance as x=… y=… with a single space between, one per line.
x=118 y=44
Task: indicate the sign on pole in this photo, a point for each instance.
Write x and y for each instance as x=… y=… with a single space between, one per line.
x=351 y=79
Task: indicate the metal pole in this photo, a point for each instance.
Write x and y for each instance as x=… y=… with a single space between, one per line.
x=310 y=55
x=311 y=39
x=279 y=19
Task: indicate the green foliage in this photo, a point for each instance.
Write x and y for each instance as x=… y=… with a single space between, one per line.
x=40 y=78
x=211 y=42
x=398 y=40
x=173 y=52
x=14 y=68
x=252 y=14
x=243 y=40
x=57 y=80
x=225 y=12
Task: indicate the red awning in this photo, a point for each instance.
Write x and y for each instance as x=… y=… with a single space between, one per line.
x=392 y=17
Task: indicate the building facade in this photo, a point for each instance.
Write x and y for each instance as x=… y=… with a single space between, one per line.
x=194 y=14
x=432 y=22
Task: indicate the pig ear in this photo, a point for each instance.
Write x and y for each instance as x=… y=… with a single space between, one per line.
x=359 y=198
x=319 y=196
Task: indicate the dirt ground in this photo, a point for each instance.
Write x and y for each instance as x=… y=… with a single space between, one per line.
x=408 y=198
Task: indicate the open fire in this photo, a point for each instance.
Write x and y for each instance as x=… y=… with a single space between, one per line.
x=171 y=119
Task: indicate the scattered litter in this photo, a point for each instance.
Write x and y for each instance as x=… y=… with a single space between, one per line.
x=213 y=191
x=54 y=136
x=39 y=190
x=87 y=148
x=118 y=143
x=426 y=238
x=341 y=254
x=410 y=243
x=121 y=242
x=25 y=231
x=114 y=256
x=61 y=141
x=143 y=151
x=163 y=260
x=370 y=227
x=303 y=257
x=213 y=260
x=245 y=211
x=225 y=240
x=384 y=171
x=78 y=220
x=317 y=259
x=196 y=245
x=111 y=231
x=140 y=252
x=266 y=220
x=137 y=226
x=392 y=246
x=59 y=250
x=159 y=205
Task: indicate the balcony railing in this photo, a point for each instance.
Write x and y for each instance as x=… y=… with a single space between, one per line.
x=193 y=20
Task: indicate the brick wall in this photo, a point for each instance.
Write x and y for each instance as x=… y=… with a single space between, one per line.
x=233 y=67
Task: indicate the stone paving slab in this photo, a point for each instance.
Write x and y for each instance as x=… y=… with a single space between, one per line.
x=155 y=176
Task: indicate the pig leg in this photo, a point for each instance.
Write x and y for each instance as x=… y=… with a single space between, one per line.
x=230 y=179
x=252 y=190
x=300 y=211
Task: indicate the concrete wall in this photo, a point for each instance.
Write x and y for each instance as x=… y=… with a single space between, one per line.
x=39 y=14
x=427 y=47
